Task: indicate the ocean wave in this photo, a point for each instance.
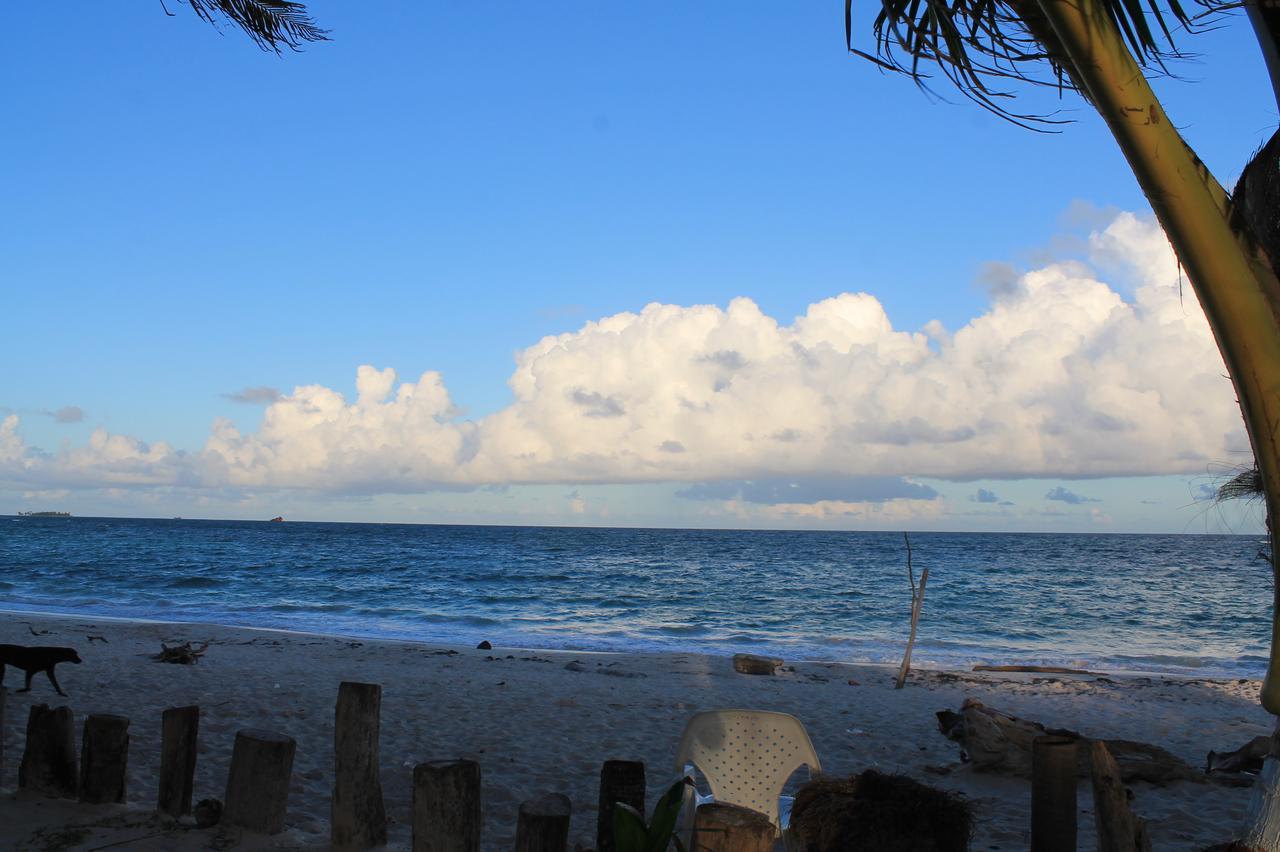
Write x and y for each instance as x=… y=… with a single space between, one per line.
x=195 y=583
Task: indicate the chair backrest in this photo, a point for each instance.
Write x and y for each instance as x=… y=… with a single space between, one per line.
x=746 y=755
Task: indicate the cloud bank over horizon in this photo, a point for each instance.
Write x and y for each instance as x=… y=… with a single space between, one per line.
x=1065 y=375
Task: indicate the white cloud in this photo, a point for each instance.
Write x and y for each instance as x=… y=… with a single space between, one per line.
x=1062 y=376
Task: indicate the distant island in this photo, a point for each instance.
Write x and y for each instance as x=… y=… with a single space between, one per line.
x=44 y=514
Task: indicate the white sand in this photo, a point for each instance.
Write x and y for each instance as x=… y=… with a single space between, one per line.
x=536 y=727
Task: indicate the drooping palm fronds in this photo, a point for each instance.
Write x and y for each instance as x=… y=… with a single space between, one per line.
x=272 y=24
x=1247 y=484
x=980 y=46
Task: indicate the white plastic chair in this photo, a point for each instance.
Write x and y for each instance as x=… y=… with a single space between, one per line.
x=746 y=757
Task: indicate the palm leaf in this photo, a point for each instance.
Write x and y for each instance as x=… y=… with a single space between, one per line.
x=272 y=24
x=983 y=46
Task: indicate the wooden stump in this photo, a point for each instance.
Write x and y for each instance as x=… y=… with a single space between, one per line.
x=104 y=758
x=620 y=781
x=3 y=692
x=719 y=827
x=755 y=665
x=358 y=818
x=49 y=758
x=1119 y=830
x=179 y=727
x=258 y=784
x=543 y=824
x=1053 y=794
x=446 y=806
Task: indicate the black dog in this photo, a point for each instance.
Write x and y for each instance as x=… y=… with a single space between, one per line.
x=32 y=660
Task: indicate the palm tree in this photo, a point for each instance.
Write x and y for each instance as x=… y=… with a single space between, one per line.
x=1225 y=242
x=272 y=24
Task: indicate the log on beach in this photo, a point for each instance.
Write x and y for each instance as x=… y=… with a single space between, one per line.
x=49 y=759
x=257 y=794
x=446 y=806
x=1001 y=743
x=104 y=758
x=1119 y=830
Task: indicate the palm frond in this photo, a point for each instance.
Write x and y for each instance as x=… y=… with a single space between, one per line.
x=272 y=24
x=1246 y=484
x=984 y=47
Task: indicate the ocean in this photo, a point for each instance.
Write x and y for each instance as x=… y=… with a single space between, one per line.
x=1189 y=604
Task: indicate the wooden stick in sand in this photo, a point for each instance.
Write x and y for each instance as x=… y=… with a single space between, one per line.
x=1053 y=794
x=104 y=758
x=1119 y=830
x=620 y=781
x=257 y=795
x=543 y=824
x=179 y=727
x=49 y=758
x=358 y=817
x=917 y=602
x=446 y=806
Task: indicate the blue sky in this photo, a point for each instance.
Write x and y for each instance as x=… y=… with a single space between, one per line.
x=441 y=187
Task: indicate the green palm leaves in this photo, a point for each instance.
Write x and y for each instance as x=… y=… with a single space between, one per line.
x=272 y=24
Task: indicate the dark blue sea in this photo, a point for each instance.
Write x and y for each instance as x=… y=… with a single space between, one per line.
x=1189 y=604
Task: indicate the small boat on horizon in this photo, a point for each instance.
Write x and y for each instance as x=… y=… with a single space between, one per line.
x=276 y=520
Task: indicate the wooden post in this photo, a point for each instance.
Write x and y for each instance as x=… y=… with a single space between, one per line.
x=1119 y=830
x=257 y=794
x=3 y=692
x=917 y=604
x=49 y=758
x=620 y=781
x=179 y=727
x=543 y=824
x=720 y=827
x=358 y=817
x=104 y=758
x=446 y=806
x=1053 y=794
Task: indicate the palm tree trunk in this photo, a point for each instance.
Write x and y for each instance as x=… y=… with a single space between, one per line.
x=1234 y=279
x=1265 y=17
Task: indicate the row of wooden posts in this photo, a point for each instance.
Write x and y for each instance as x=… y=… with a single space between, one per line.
x=446 y=793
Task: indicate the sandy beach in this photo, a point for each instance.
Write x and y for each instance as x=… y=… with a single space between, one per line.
x=536 y=726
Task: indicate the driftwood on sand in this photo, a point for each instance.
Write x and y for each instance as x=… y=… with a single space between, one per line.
x=999 y=742
x=183 y=654
x=1119 y=830
x=1036 y=669
x=1247 y=758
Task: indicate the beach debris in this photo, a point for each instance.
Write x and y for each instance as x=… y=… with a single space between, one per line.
x=207 y=812
x=1000 y=743
x=755 y=665
x=1037 y=669
x=35 y=632
x=1119 y=829
x=101 y=639
x=876 y=810
x=183 y=654
x=1247 y=758
x=917 y=603
x=484 y=646
x=579 y=666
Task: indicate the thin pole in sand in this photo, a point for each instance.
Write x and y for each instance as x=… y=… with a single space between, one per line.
x=358 y=815
x=917 y=603
x=179 y=728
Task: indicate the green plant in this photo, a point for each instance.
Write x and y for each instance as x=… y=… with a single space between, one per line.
x=630 y=834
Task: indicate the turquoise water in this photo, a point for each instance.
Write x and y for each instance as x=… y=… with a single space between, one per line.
x=1173 y=603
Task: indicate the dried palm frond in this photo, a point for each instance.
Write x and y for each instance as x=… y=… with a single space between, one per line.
x=271 y=24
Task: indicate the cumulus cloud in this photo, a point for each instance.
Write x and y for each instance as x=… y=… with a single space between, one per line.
x=1062 y=495
x=261 y=395
x=985 y=495
x=1061 y=376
